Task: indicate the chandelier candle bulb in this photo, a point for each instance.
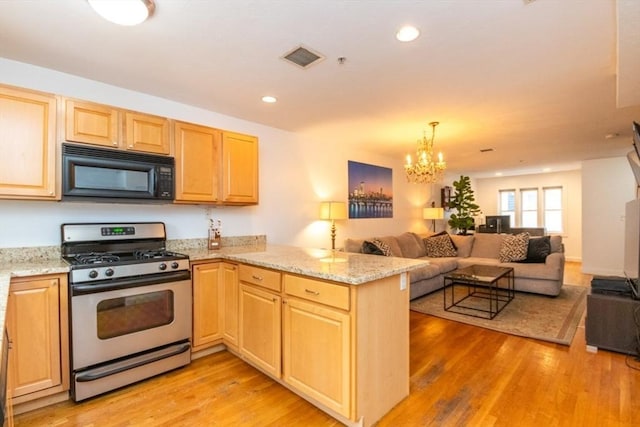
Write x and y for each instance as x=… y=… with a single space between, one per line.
x=426 y=169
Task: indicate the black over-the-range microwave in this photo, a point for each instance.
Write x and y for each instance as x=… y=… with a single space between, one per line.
x=100 y=174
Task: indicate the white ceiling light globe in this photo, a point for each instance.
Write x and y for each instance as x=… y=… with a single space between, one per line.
x=407 y=33
x=123 y=12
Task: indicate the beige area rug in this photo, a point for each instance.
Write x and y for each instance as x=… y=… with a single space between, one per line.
x=527 y=315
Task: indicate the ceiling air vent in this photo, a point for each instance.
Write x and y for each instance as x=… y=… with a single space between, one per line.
x=302 y=57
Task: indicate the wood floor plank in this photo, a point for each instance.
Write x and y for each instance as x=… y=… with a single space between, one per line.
x=461 y=375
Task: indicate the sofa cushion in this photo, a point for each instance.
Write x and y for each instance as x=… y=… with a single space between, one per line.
x=538 y=250
x=393 y=245
x=556 y=244
x=514 y=247
x=353 y=245
x=424 y=273
x=411 y=245
x=445 y=264
x=439 y=245
x=463 y=244
x=487 y=245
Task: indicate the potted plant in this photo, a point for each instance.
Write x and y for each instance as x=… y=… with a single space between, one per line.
x=463 y=203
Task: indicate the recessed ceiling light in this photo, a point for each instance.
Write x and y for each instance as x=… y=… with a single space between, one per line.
x=269 y=99
x=407 y=33
x=546 y=170
x=498 y=173
x=123 y=12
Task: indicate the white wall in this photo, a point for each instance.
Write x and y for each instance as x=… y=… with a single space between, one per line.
x=295 y=175
x=610 y=185
x=486 y=190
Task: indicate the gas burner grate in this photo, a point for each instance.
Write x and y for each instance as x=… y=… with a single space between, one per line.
x=151 y=254
x=96 y=258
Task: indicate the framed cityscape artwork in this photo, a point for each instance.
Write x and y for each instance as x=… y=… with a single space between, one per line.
x=370 y=191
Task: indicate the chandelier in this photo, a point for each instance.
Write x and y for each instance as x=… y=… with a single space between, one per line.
x=426 y=169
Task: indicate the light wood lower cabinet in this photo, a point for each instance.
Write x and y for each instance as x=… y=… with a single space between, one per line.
x=215 y=304
x=343 y=347
x=317 y=352
x=260 y=320
x=37 y=323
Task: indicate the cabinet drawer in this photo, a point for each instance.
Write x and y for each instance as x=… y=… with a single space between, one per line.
x=315 y=290
x=260 y=276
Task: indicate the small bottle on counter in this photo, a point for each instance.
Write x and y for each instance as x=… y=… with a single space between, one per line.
x=215 y=238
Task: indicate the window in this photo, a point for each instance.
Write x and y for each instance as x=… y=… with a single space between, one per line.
x=553 y=209
x=529 y=210
x=508 y=204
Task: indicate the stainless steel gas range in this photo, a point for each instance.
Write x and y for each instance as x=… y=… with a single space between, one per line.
x=130 y=305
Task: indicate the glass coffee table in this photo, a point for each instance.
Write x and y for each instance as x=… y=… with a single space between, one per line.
x=478 y=290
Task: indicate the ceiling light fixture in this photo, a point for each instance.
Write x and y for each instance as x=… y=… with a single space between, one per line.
x=269 y=99
x=123 y=12
x=426 y=169
x=407 y=33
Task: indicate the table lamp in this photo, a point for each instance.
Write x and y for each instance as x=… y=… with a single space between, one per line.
x=333 y=211
x=433 y=213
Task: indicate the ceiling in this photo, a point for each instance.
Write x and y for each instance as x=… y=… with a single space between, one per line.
x=542 y=82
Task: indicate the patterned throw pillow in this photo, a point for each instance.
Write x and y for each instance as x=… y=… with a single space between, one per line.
x=440 y=245
x=514 y=247
x=376 y=247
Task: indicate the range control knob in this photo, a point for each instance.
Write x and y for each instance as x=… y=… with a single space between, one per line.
x=109 y=272
x=162 y=266
x=93 y=274
x=174 y=265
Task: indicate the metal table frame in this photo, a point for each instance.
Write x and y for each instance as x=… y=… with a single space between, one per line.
x=492 y=283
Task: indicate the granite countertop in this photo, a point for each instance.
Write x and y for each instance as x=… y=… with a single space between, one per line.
x=337 y=266
x=343 y=267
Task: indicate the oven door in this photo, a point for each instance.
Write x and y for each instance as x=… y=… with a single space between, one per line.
x=114 y=323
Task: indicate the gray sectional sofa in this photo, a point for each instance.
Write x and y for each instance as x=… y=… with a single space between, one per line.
x=481 y=248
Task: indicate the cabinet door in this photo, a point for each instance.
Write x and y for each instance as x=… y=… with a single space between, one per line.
x=230 y=303
x=91 y=123
x=207 y=294
x=33 y=323
x=260 y=336
x=146 y=133
x=27 y=142
x=239 y=168
x=316 y=353
x=197 y=154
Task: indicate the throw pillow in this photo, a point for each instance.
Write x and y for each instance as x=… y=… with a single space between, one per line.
x=376 y=247
x=440 y=245
x=370 y=248
x=538 y=250
x=514 y=247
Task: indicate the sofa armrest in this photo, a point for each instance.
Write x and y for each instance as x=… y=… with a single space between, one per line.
x=555 y=261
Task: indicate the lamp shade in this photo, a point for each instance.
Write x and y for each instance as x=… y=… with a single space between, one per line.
x=432 y=213
x=333 y=210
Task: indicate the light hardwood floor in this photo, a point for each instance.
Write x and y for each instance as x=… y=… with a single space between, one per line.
x=461 y=375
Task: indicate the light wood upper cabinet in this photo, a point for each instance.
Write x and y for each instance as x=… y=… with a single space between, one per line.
x=197 y=154
x=214 y=166
x=143 y=132
x=239 y=168
x=27 y=140
x=96 y=124
x=37 y=323
x=91 y=123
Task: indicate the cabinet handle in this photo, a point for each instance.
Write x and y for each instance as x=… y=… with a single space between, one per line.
x=309 y=291
x=256 y=277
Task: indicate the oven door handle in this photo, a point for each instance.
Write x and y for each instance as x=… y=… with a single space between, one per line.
x=99 y=373
x=112 y=285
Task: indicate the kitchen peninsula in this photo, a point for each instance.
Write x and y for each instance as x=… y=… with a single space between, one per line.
x=333 y=327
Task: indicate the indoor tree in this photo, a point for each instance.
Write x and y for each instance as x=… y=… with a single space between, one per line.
x=463 y=203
